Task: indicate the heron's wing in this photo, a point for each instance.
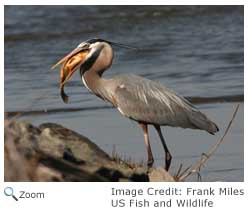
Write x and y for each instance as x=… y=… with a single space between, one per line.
x=148 y=101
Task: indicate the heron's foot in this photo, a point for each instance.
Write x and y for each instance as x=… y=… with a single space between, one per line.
x=150 y=163
x=168 y=159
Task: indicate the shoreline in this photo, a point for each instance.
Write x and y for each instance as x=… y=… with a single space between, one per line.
x=194 y=100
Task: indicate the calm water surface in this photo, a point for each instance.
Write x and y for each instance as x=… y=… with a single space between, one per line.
x=196 y=51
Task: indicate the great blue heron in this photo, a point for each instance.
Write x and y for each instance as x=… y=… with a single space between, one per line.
x=140 y=99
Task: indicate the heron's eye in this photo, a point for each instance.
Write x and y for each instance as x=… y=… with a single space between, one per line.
x=84 y=45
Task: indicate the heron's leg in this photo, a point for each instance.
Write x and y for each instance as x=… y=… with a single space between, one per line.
x=147 y=142
x=168 y=156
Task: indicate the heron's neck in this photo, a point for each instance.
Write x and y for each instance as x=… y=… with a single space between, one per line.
x=95 y=83
x=91 y=74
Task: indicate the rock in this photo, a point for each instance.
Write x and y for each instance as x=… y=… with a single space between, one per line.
x=16 y=166
x=52 y=152
x=160 y=175
x=62 y=142
x=46 y=174
x=19 y=161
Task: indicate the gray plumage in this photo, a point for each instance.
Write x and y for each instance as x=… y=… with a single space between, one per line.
x=148 y=101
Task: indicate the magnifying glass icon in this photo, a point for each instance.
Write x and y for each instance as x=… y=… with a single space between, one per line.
x=8 y=191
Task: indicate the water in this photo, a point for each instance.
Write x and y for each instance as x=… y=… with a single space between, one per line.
x=196 y=51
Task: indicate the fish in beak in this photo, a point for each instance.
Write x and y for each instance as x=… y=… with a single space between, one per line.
x=70 y=64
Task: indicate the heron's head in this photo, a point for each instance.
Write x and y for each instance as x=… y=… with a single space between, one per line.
x=84 y=55
x=95 y=54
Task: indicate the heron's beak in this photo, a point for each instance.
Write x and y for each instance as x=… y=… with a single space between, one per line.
x=71 y=63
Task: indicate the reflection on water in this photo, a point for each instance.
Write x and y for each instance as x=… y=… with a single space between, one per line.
x=196 y=51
